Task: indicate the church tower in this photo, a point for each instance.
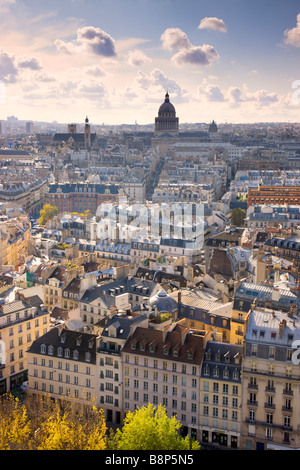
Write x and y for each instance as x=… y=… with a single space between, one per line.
x=87 y=134
x=166 y=122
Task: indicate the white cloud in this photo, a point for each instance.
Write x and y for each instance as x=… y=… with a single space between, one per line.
x=212 y=93
x=176 y=39
x=197 y=55
x=97 y=41
x=89 y=39
x=137 y=58
x=95 y=71
x=30 y=63
x=8 y=69
x=292 y=36
x=213 y=23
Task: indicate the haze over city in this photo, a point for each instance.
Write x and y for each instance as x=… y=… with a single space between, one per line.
x=232 y=61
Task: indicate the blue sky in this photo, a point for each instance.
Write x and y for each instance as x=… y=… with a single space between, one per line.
x=113 y=60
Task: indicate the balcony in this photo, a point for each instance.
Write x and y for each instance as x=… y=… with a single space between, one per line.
x=252 y=402
x=253 y=386
x=270 y=389
x=270 y=406
x=287 y=409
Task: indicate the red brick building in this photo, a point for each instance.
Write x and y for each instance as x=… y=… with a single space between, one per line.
x=274 y=195
x=81 y=197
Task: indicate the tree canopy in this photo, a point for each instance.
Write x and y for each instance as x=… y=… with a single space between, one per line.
x=42 y=424
x=149 y=428
x=47 y=213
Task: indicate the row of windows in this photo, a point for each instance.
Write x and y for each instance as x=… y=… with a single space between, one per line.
x=60 y=364
x=223 y=413
x=66 y=352
x=216 y=387
x=164 y=365
x=60 y=378
x=63 y=391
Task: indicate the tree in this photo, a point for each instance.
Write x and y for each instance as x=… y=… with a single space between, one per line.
x=41 y=424
x=47 y=213
x=67 y=427
x=238 y=216
x=15 y=428
x=149 y=428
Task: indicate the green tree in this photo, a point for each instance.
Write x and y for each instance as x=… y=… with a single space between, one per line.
x=47 y=213
x=238 y=216
x=149 y=428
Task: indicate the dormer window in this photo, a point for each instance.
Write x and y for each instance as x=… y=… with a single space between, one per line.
x=43 y=349
x=67 y=352
x=50 y=350
x=88 y=357
x=75 y=354
x=133 y=345
x=59 y=351
x=190 y=355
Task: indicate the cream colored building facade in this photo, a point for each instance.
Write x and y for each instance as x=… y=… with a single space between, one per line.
x=62 y=364
x=271 y=377
x=20 y=325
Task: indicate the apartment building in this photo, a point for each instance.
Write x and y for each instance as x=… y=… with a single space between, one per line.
x=21 y=322
x=62 y=364
x=271 y=397
x=164 y=367
x=16 y=242
x=274 y=195
x=81 y=197
x=221 y=395
x=57 y=281
x=118 y=328
x=99 y=301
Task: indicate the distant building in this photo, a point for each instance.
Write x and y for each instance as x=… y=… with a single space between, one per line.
x=81 y=197
x=166 y=122
x=29 y=127
x=274 y=195
x=213 y=128
x=76 y=140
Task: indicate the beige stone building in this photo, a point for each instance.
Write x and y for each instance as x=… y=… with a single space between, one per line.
x=271 y=395
x=164 y=367
x=62 y=364
x=21 y=322
x=221 y=395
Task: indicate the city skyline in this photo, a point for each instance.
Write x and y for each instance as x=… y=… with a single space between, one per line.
x=114 y=60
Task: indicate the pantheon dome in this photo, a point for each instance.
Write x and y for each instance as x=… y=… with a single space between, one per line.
x=166 y=122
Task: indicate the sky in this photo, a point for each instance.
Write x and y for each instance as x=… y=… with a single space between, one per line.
x=233 y=61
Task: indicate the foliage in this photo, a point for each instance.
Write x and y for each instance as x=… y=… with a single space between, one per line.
x=149 y=428
x=15 y=429
x=39 y=423
x=47 y=213
x=238 y=217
